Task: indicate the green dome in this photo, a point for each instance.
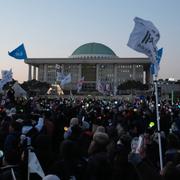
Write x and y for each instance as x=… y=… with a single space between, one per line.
x=94 y=49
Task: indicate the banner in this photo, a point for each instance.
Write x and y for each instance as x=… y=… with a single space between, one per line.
x=34 y=165
x=6 y=77
x=144 y=38
x=19 y=52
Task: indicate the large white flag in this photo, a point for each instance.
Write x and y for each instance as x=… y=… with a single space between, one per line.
x=144 y=38
x=34 y=165
x=66 y=80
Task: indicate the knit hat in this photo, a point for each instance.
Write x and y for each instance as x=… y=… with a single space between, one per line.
x=101 y=138
x=74 y=121
x=100 y=129
x=51 y=177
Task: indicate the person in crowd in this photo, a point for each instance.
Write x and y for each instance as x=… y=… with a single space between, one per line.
x=98 y=166
x=94 y=136
x=69 y=165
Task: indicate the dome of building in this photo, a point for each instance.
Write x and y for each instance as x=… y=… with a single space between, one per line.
x=93 y=50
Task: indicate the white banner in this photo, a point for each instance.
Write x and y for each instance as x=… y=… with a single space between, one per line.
x=34 y=165
x=6 y=77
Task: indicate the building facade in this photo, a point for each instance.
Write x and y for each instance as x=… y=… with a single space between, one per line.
x=96 y=63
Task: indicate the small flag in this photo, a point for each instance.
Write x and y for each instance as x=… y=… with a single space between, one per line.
x=79 y=84
x=100 y=87
x=155 y=67
x=58 y=66
x=34 y=165
x=19 y=52
x=66 y=80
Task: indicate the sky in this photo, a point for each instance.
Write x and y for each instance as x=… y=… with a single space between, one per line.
x=55 y=28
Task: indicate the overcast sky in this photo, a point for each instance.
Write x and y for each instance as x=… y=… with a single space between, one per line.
x=55 y=28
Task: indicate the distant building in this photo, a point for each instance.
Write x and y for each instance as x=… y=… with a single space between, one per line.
x=96 y=62
x=169 y=88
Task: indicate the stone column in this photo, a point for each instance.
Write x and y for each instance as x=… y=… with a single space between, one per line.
x=30 y=73
x=38 y=73
x=45 y=73
x=144 y=76
x=34 y=72
x=134 y=72
x=79 y=72
x=115 y=74
x=62 y=68
x=115 y=80
x=148 y=74
x=97 y=73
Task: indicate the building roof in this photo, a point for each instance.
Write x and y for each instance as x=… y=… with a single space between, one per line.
x=93 y=49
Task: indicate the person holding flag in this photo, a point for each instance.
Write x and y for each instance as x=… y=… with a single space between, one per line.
x=144 y=38
x=79 y=84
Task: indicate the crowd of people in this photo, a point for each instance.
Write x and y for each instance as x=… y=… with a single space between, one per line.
x=88 y=138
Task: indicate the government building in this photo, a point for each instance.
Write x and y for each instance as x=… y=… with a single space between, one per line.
x=96 y=63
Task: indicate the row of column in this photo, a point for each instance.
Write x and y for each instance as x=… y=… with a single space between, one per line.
x=146 y=73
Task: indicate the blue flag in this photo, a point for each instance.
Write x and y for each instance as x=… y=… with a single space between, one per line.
x=19 y=52
x=155 y=67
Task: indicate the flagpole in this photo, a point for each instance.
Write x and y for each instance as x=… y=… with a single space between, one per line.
x=144 y=38
x=172 y=97
x=13 y=175
x=29 y=150
x=28 y=164
x=158 y=122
